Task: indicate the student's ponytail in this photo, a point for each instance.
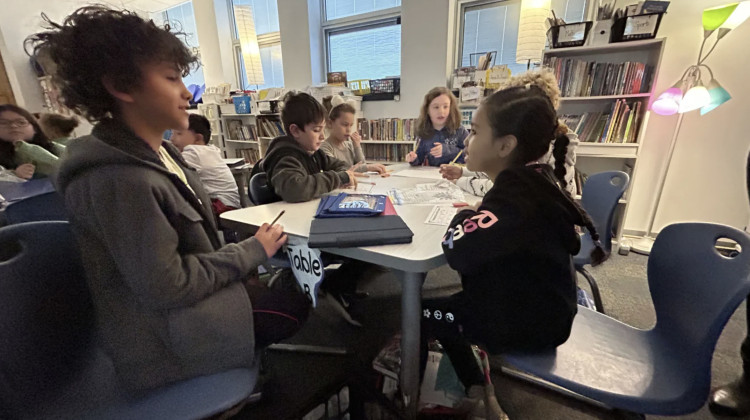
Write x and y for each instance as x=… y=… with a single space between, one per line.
x=559 y=152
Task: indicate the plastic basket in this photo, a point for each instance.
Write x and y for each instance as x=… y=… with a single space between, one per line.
x=241 y=104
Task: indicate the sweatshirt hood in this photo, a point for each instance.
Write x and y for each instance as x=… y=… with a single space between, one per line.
x=110 y=143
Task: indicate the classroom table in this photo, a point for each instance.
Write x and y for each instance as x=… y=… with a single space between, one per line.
x=410 y=262
x=16 y=191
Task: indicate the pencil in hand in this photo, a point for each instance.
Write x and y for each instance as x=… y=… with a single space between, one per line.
x=277 y=218
x=453 y=162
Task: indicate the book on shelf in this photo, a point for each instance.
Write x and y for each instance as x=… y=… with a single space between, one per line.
x=619 y=125
x=388 y=129
x=250 y=156
x=590 y=78
x=238 y=131
x=387 y=152
x=270 y=128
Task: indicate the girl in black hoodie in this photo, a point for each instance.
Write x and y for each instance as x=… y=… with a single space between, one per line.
x=514 y=249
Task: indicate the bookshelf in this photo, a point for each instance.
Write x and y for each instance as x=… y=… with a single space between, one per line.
x=606 y=93
x=387 y=140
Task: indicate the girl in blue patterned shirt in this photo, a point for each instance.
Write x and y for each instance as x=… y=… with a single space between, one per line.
x=440 y=136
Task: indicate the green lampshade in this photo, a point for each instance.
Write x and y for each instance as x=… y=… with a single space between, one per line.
x=715 y=16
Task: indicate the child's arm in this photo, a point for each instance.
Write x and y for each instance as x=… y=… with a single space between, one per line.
x=146 y=251
x=474 y=238
x=58 y=149
x=45 y=162
x=423 y=149
x=359 y=156
x=476 y=184
x=293 y=184
x=450 y=151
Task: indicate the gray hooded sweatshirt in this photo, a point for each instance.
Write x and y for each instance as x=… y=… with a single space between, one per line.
x=169 y=301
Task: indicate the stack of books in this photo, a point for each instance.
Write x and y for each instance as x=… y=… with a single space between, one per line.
x=589 y=78
x=619 y=125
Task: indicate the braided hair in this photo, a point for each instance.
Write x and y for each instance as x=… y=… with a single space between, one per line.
x=527 y=113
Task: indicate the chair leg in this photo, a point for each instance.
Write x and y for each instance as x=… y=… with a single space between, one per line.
x=594 y=288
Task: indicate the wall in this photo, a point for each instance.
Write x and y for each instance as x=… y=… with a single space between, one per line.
x=295 y=43
x=706 y=177
x=426 y=41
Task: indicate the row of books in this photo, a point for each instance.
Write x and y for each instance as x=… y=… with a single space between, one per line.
x=619 y=125
x=589 y=78
x=238 y=131
x=580 y=178
x=250 y=156
x=394 y=129
x=387 y=152
x=270 y=128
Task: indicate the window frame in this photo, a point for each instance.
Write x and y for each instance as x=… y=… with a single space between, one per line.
x=355 y=23
x=268 y=39
x=463 y=5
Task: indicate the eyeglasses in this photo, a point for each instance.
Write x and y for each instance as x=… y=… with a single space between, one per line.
x=14 y=123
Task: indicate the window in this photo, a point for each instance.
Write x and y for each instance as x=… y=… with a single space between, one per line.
x=266 y=17
x=336 y=9
x=181 y=18
x=363 y=38
x=494 y=27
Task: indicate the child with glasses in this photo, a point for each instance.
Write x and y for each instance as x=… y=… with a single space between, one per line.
x=24 y=148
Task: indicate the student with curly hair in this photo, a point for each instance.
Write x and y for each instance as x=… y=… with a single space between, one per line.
x=171 y=302
x=478 y=183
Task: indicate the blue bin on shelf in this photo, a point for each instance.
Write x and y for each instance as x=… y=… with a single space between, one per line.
x=241 y=104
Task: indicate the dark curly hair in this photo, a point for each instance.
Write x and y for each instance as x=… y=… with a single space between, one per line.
x=97 y=42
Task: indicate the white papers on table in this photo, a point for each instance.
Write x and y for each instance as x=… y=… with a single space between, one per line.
x=430 y=172
x=441 y=215
x=441 y=192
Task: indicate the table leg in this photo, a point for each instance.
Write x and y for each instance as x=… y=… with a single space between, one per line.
x=411 y=311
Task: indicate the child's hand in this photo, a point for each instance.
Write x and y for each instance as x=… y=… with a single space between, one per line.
x=411 y=156
x=451 y=172
x=356 y=138
x=25 y=171
x=271 y=237
x=437 y=151
x=376 y=167
x=352 y=179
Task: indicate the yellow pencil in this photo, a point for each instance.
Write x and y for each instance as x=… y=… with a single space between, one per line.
x=453 y=162
x=416 y=145
x=278 y=217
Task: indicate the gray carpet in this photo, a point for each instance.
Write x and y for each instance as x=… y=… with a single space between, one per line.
x=295 y=381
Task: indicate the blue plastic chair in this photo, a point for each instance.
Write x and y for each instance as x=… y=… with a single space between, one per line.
x=665 y=370
x=50 y=366
x=600 y=195
x=49 y=206
x=259 y=191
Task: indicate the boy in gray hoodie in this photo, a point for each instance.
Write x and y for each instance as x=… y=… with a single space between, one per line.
x=171 y=302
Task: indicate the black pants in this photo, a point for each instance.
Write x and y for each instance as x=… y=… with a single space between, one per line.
x=450 y=320
x=277 y=314
x=745 y=349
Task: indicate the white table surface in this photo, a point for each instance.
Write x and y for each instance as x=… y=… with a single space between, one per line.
x=421 y=255
x=412 y=261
